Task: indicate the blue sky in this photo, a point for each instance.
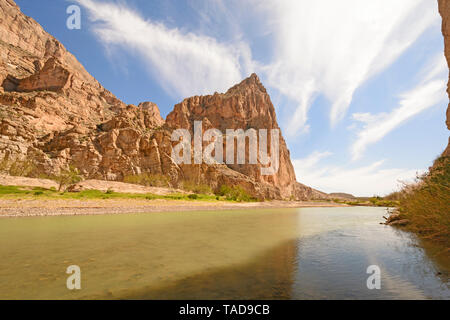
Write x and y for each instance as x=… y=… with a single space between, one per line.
x=358 y=85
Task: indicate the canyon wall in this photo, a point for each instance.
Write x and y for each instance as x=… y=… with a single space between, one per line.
x=444 y=10
x=54 y=112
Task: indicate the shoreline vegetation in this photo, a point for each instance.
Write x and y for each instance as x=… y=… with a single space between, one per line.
x=28 y=201
x=375 y=201
x=424 y=206
x=18 y=201
x=39 y=196
x=25 y=190
x=421 y=208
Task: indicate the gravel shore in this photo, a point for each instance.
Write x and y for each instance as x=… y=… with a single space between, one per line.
x=31 y=208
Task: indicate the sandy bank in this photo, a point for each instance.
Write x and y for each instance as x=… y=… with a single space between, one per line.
x=36 y=207
x=101 y=185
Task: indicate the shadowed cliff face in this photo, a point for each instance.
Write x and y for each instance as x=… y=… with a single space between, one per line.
x=54 y=112
x=444 y=10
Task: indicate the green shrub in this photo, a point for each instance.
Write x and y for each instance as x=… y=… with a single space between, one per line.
x=235 y=193
x=193 y=196
x=426 y=204
x=67 y=176
x=197 y=188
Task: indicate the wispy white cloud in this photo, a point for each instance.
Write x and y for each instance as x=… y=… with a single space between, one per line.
x=313 y=159
x=369 y=180
x=330 y=48
x=428 y=93
x=184 y=63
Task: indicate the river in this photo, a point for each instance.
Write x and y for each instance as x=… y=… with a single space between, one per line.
x=307 y=253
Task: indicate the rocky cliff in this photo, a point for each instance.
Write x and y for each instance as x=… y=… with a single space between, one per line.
x=246 y=105
x=43 y=88
x=54 y=112
x=444 y=10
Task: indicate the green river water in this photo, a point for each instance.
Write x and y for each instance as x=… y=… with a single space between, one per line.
x=308 y=253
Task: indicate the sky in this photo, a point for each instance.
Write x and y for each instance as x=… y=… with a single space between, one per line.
x=359 y=86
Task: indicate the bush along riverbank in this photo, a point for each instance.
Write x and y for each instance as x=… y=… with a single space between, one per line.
x=424 y=207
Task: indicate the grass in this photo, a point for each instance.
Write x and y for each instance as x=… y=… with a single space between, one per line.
x=16 y=192
x=426 y=204
x=196 y=187
x=235 y=193
x=70 y=175
x=13 y=190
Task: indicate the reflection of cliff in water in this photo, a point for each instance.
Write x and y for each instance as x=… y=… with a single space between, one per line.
x=269 y=276
x=310 y=253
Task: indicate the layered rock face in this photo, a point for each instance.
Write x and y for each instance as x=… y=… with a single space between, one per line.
x=54 y=112
x=244 y=106
x=138 y=140
x=444 y=9
x=43 y=88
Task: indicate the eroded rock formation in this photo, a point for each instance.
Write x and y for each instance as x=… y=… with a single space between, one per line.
x=246 y=105
x=43 y=88
x=54 y=112
x=444 y=9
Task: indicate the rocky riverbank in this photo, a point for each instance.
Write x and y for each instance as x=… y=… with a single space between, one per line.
x=35 y=207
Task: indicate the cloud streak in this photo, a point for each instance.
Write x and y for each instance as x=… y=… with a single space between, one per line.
x=184 y=63
x=368 y=180
x=331 y=48
x=428 y=93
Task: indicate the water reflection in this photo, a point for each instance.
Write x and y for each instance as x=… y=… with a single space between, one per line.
x=268 y=276
x=261 y=254
x=333 y=264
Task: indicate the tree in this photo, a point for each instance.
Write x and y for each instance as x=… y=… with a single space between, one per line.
x=68 y=176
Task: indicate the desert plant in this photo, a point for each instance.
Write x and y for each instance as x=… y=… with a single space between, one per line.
x=235 y=193
x=67 y=176
x=198 y=188
x=426 y=204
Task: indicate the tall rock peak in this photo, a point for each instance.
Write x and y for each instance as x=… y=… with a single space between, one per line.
x=250 y=83
x=55 y=113
x=244 y=106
